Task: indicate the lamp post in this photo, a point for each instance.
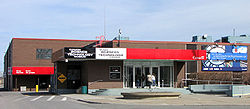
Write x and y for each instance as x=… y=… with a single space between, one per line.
x=119 y=41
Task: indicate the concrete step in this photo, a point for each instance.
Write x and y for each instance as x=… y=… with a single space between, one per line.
x=96 y=91
x=118 y=91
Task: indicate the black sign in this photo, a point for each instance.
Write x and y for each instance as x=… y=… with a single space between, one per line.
x=77 y=53
x=115 y=76
x=115 y=72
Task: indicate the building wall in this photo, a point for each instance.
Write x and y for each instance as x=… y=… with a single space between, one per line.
x=99 y=70
x=24 y=54
x=223 y=75
x=150 y=44
x=24 y=51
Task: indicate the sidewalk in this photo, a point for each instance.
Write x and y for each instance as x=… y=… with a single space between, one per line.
x=191 y=99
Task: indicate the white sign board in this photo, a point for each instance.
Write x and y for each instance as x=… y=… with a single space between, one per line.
x=111 y=53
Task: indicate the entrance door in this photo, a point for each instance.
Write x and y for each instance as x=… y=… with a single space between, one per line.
x=128 y=76
x=156 y=73
x=73 y=76
x=138 y=77
x=166 y=76
x=146 y=71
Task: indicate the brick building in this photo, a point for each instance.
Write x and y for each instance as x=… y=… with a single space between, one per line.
x=122 y=64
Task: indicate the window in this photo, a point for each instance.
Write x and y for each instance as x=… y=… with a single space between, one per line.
x=43 y=53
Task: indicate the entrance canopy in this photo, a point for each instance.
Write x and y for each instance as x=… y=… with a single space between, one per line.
x=81 y=54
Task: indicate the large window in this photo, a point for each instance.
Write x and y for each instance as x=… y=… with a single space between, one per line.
x=43 y=53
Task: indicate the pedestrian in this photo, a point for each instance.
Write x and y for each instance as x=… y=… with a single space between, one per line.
x=149 y=76
x=153 y=80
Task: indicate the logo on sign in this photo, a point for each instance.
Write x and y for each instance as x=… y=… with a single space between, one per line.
x=199 y=58
x=77 y=53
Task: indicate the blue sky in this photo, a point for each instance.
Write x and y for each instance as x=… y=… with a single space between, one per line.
x=165 y=20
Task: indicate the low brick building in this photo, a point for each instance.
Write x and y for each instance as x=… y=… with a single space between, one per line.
x=67 y=65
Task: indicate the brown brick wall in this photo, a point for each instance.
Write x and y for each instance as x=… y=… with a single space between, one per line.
x=152 y=45
x=24 y=51
x=99 y=70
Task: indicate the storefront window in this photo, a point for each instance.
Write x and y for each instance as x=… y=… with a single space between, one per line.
x=43 y=53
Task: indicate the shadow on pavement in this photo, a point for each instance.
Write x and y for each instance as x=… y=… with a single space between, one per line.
x=3 y=89
x=36 y=93
x=90 y=102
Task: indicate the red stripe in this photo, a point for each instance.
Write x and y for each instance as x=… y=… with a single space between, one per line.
x=32 y=70
x=170 y=54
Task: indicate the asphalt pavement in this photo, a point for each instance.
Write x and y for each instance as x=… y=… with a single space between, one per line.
x=18 y=100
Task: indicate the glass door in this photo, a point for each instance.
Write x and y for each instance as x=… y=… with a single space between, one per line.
x=128 y=76
x=156 y=73
x=138 y=77
x=166 y=76
x=146 y=71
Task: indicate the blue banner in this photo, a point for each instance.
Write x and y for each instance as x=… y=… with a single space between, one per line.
x=225 y=58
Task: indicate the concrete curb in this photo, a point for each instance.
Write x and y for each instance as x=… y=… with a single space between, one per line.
x=184 y=100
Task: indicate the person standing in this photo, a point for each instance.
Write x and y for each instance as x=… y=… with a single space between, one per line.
x=150 y=81
x=153 y=80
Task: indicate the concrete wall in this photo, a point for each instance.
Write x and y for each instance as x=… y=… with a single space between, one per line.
x=239 y=90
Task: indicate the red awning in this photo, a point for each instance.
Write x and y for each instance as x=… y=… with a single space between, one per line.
x=32 y=70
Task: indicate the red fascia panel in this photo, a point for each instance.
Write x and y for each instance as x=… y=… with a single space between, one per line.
x=169 y=54
x=32 y=70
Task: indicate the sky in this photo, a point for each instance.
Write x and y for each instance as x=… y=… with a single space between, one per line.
x=153 y=20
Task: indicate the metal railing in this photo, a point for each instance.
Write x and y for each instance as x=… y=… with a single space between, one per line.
x=90 y=83
x=210 y=81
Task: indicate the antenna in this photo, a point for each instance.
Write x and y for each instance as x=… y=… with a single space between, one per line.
x=104 y=21
x=234 y=32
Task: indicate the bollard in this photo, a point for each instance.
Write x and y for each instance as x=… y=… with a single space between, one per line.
x=36 y=88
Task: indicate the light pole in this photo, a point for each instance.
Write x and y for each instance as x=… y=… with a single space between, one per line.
x=119 y=41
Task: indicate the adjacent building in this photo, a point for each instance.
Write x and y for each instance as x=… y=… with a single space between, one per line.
x=236 y=39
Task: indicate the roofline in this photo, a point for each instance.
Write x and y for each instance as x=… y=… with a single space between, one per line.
x=180 y=42
x=54 y=39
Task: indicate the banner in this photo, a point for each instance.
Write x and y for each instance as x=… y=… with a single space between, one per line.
x=225 y=58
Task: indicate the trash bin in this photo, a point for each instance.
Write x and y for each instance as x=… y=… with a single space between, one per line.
x=84 y=90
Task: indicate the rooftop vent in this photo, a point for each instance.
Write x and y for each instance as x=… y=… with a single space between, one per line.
x=243 y=35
